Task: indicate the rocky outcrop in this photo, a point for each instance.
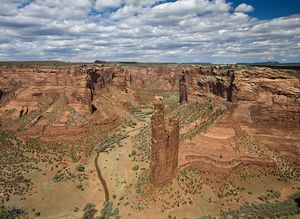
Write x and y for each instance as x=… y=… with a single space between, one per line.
x=165 y=143
x=154 y=77
x=256 y=96
x=217 y=82
x=259 y=96
x=63 y=96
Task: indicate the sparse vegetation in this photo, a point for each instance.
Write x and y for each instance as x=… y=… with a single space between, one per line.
x=108 y=143
x=286 y=208
x=135 y=167
x=211 y=120
x=108 y=212
x=89 y=211
x=80 y=168
x=12 y=212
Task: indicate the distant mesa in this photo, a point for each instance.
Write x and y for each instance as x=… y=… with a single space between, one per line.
x=99 y=61
x=274 y=65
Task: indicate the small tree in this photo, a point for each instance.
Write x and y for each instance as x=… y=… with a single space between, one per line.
x=108 y=212
x=89 y=211
x=80 y=168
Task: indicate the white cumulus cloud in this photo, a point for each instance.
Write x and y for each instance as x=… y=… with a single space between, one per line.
x=244 y=8
x=145 y=30
x=105 y=4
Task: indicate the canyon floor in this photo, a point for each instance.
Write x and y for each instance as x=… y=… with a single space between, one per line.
x=226 y=169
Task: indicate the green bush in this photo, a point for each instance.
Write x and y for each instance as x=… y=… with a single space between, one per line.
x=80 y=168
x=11 y=212
x=135 y=167
x=108 y=212
x=277 y=194
x=133 y=153
x=89 y=211
x=79 y=187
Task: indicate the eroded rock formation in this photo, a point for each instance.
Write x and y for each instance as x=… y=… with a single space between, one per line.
x=183 y=98
x=165 y=143
x=259 y=96
x=40 y=97
x=68 y=95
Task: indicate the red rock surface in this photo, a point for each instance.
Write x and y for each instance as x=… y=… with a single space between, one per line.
x=259 y=96
x=165 y=144
x=37 y=96
x=44 y=99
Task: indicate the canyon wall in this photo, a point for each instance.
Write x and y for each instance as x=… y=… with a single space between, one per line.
x=258 y=96
x=254 y=95
x=66 y=96
x=39 y=97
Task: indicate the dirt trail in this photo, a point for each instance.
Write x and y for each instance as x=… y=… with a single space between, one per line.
x=102 y=180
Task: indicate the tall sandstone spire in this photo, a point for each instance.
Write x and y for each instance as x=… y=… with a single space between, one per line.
x=165 y=143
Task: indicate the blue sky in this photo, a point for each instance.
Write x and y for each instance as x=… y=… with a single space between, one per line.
x=268 y=9
x=217 y=31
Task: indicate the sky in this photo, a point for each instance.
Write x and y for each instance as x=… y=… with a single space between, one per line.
x=215 y=31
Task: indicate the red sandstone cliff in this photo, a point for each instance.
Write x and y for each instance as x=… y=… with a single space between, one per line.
x=41 y=97
x=165 y=143
x=259 y=96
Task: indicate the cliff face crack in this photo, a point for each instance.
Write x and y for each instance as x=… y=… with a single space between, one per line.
x=231 y=87
x=102 y=180
x=1 y=94
x=183 y=98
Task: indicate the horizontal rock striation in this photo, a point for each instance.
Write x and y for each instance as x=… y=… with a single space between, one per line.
x=42 y=96
x=259 y=96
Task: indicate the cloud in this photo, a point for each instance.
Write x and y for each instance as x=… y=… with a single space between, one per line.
x=106 y=4
x=145 y=30
x=244 y=8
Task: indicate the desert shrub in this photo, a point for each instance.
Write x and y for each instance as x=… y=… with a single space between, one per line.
x=80 y=168
x=89 y=211
x=206 y=217
x=283 y=209
x=135 y=167
x=277 y=194
x=79 y=187
x=58 y=177
x=109 y=142
x=108 y=212
x=133 y=153
x=11 y=212
x=142 y=180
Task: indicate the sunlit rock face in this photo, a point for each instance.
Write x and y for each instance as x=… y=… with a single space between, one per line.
x=259 y=96
x=38 y=99
x=165 y=143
